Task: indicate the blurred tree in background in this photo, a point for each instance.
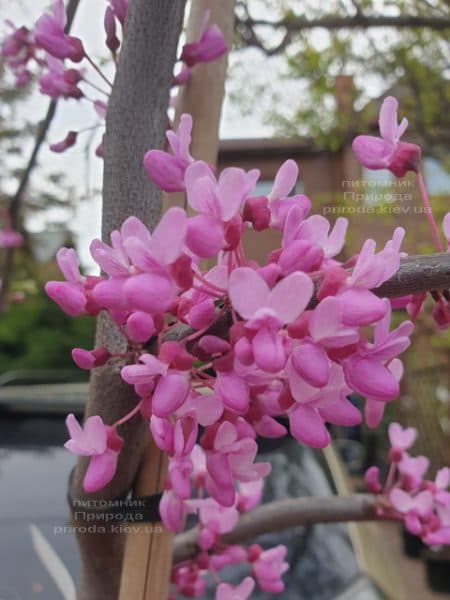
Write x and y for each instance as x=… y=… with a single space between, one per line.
x=381 y=46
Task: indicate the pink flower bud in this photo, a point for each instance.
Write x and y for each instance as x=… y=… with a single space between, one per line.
x=86 y=359
x=112 y=41
x=140 y=326
x=257 y=212
x=372 y=480
x=67 y=142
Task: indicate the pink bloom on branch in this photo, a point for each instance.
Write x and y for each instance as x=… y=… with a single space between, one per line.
x=119 y=8
x=422 y=503
x=69 y=141
x=49 y=35
x=167 y=170
x=400 y=438
x=269 y=567
x=280 y=203
x=267 y=310
x=387 y=151
x=226 y=591
x=229 y=458
x=10 y=238
x=59 y=82
x=109 y=23
x=218 y=202
x=101 y=443
x=86 y=359
x=138 y=263
x=210 y=45
x=371 y=270
x=372 y=480
x=18 y=48
x=74 y=295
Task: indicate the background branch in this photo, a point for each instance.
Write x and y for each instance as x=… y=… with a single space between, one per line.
x=284 y=514
x=245 y=26
x=16 y=201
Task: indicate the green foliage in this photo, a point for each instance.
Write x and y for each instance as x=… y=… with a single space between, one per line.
x=36 y=334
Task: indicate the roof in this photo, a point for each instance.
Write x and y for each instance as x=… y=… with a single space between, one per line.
x=260 y=147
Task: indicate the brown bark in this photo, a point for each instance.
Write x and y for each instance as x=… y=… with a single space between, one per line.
x=136 y=121
x=283 y=514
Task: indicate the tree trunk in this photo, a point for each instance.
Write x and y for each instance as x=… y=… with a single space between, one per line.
x=136 y=121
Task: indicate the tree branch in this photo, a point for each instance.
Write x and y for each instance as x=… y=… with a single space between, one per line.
x=422 y=273
x=294 y=25
x=284 y=514
x=16 y=200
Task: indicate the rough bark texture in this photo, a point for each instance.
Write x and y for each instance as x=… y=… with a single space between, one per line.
x=136 y=121
x=283 y=514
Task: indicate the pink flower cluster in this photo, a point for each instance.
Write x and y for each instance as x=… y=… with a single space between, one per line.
x=423 y=505
x=46 y=48
x=389 y=152
x=300 y=333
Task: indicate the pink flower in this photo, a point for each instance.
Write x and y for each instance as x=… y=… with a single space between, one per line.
x=138 y=264
x=171 y=385
x=86 y=359
x=173 y=510
x=101 y=443
x=218 y=518
x=210 y=45
x=279 y=202
x=167 y=170
x=69 y=141
x=266 y=310
x=218 y=203
x=368 y=370
x=230 y=457
x=401 y=439
x=74 y=295
x=387 y=151
x=269 y=567
x=226 y=591
x=371 y=270
x=233 y=392
x=59 y=82
x=10 y=238
x=372 y=480
x=412 y=470
x=314 y=407
x=109 y=23
x=307 y=243
x=49 y=35
x=18 y=48
x=416 y=508
x=119 y=8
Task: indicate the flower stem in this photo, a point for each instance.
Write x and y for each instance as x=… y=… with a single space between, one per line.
x=429 y=211
x=129 y=415
x=98 y=70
